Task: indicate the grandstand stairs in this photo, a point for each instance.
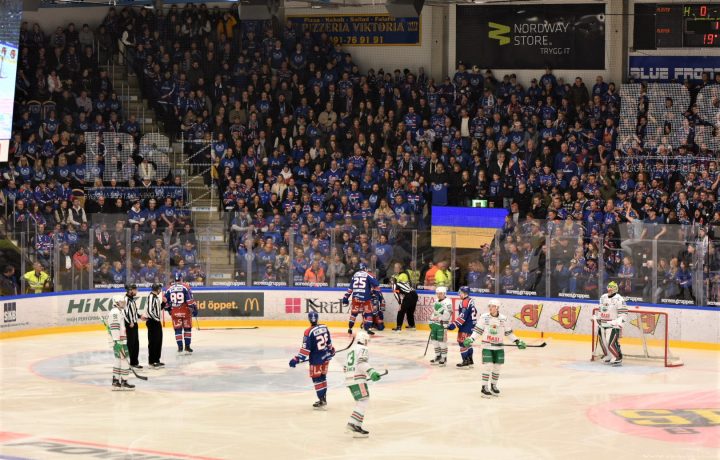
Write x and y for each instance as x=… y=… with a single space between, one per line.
x=128 y=91
x=209 y=222
x=210 y=227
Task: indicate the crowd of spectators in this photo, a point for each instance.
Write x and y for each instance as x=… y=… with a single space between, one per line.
x=321 y=164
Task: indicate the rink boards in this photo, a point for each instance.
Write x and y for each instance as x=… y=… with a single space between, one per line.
x=696 y=327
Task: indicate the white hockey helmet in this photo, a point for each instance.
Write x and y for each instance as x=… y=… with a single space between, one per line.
x=362 y=338
x=495 y=302
x=118 y=301
x=441 y=290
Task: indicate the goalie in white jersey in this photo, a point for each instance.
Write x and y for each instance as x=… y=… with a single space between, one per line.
x=610 y=319
x=493 y=328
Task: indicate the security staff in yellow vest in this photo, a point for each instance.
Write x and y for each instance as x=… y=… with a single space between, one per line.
x=443 y=276
x=37 y=280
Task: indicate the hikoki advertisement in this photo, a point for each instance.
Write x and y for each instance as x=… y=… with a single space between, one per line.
x=290 y=307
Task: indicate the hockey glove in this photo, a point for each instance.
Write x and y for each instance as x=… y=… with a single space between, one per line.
x=117 y=347
x=332 y=351
x=293 y=362
x=467 y=342
x=520 y=344
x=345 y=301
x=451 y=327
x=374 y=376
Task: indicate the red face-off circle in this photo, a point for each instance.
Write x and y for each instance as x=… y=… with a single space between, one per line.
x=688 y=418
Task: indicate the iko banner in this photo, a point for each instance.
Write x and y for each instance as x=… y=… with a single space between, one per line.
x=532 y=36
x=361 y=30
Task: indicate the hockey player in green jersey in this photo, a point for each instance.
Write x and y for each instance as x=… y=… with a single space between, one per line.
x=439 y=320
x=493 y=328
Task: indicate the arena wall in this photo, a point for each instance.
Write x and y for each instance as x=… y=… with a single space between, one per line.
x=696 y=327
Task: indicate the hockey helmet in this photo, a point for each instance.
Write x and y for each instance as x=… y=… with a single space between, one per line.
x=494 y=302
x=363 y=266
x=178 y=277
x=118 y=302
x=612 y=287
x=313 y=317
x=464 y=290
x=441 y=290
x=362 y=338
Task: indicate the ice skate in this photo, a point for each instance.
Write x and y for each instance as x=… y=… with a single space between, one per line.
x=464 y=365
x=320 y=405
x=486 y=393
x=188 y=350
x=494 y=390
x=436 y=360
x=125 y=386
x=442 y=362
x=116 y=385
x=357 y=431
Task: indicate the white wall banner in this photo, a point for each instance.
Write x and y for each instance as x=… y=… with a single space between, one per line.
x=550 y=316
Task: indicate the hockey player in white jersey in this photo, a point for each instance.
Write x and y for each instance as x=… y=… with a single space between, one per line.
x=439 y=320
x=609 y=320
x=121 y=365
x=493 y=328
x=357 y=373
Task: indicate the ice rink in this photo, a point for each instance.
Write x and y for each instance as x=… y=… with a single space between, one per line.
x=236 y=398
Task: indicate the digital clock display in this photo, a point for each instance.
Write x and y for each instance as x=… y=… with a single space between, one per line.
x=701 y=25
x=676 y=25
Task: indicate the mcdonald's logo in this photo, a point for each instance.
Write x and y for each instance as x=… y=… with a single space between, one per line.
x=252 y=304
x=234 y=304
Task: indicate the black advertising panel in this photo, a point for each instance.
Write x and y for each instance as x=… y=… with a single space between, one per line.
x=532 y=36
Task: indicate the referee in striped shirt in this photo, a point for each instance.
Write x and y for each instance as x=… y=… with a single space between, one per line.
x=130 y=313
x=153 y=319
x=406 y=297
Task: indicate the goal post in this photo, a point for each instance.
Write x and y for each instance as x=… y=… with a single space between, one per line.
x=645 y=336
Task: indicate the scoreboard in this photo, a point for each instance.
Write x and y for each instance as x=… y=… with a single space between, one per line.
x=695 y=25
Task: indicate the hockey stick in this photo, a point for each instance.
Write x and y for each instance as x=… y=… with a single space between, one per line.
x=540 y=345
x=427 y=345
x=349 y=345
x=227 y=328
x=141 y=377
x=337 y=351
x=385 y=372
x=107 y=328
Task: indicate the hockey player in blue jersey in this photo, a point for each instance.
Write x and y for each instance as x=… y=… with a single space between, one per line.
x=317 y=348
x=364 y=290
x=465 y=322
x=178 y=299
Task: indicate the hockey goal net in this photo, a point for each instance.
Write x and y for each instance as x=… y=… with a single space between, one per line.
x=645 y=336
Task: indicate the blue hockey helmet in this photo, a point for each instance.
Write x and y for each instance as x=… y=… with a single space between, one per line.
x=313 y=317
x=464 y=290
x=363 y=266
x=178 y=276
